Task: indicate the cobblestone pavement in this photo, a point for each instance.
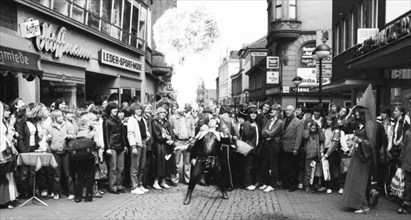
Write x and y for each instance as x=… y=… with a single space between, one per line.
x=206 y=204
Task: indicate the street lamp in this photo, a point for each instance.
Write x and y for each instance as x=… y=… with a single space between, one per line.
x=297 y=81
x=319 y=53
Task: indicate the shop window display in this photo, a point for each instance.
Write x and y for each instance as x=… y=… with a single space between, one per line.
x=73 y=93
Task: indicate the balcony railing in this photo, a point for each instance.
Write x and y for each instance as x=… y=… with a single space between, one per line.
x=284 y=30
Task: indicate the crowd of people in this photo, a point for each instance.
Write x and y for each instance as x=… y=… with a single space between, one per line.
x=141 y=146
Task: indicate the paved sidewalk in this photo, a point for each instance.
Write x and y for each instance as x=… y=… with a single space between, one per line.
x=206 y=204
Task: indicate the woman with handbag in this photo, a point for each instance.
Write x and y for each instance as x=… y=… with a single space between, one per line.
x=314 y=139
x=330 y=151
x=162 y=139
x=405 y=159
x=8 y=155
x=60 y=134
x=250 y=136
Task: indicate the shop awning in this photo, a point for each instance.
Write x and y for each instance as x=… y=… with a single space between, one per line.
x=394 y=55
x=348 y=84
x=17 y=55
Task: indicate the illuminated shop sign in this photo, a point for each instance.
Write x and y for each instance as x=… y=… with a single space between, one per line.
x=395 y=30
x=56 y=43
x=112 y=59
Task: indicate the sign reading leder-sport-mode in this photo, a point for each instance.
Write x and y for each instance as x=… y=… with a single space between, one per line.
x=110 y=58
x=273 y=62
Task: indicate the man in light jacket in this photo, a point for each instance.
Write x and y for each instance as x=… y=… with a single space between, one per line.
x=137 y=135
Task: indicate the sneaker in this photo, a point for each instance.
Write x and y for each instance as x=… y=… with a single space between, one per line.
x=263 y=187
x=137 y=191
x=268 y=189
x=70 y=197
x=251 y=187
x=56 y=197
x=362 y=211
x=51 y=195
x=97 y=194
x=300 y=186
x=144 y=189
x=329 y=191
x=43 y=193
x=341 y=191
x=156 y=186
x=322 y=189
x=164 y=185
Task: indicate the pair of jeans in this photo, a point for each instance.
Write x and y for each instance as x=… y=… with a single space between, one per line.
x=63 y=161
x=116 y=166
x=83 y=170
x=186 y=162
x=249 y=160
x=138 y=164
x=270 y=162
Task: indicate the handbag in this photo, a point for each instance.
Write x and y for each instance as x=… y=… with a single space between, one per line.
x=398 y=184
x=345 y=163
x=243 y=148
x=326 y=169
x=81 y=148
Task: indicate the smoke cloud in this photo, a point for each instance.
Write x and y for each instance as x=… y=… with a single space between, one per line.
x=184 y=36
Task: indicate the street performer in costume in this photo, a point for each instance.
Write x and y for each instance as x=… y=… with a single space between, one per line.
x=205 y=154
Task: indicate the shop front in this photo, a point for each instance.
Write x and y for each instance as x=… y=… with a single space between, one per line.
x=19 y=66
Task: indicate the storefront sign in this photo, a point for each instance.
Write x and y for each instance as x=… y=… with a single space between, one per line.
x=310 y=78
x=57 y=43
x=365 y=33
x=119 y=61
x=19 y=59
x=258 y=54
x=30 y=29
x=286 y=89
x=273 y=77
x=272 y=91
x=273 y=62
x=306 y=55
x=302 y=89
x=393 y=31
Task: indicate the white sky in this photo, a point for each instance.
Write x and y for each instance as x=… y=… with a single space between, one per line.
x=239 y=21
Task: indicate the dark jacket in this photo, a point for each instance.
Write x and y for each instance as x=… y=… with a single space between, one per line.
x=406 y=152
x=249 y=134
x=292 y=135
x=23 y=139
x=274 y=132
x=113 y=134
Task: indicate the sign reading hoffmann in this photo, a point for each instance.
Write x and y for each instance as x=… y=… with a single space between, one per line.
x=110 y=58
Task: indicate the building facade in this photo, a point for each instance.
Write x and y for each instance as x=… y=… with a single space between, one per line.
x=293 y=33
x=89 y=50
x=229 y=66
x=372 y=44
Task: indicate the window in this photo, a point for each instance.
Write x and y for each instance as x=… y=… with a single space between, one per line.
x=337 y=39
x=362 y=13
x=61 y=7
x=78 y=10
x=374 y=14
x=344 y=35
x=134 y=24
x=352 y=30
x=278 y=14
x=124 y=20
x=292 y=9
